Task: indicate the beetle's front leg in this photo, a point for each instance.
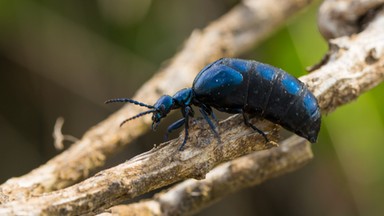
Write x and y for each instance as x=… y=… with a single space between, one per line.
x=175 y=125
x=187 y=112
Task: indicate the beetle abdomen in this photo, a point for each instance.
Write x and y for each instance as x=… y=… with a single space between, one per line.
x=283 y=99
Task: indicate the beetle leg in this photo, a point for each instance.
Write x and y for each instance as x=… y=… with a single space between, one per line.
x=175 y=125
x=246 y=122
x=209 y=111
x=211 y=125
x=187 y=112
x=214 y=117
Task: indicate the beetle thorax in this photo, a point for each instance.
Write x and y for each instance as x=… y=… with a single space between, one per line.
x=183 y=97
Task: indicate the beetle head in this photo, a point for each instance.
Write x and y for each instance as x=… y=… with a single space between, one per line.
x=162 y=107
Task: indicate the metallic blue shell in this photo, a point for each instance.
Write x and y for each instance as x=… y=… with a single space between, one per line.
x=236 y=85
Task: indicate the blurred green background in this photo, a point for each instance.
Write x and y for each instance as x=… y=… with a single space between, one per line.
x=64 y=58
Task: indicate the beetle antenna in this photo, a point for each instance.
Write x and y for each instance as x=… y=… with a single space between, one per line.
x=124 y=100
x=137 y=116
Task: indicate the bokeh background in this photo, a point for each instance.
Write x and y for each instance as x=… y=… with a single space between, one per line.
x=64 y=58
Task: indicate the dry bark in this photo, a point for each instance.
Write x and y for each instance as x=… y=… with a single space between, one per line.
x=344 y=17
x=193 y=195
x=154 y=169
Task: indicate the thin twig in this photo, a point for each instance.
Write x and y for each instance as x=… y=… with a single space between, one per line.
x=59 y=137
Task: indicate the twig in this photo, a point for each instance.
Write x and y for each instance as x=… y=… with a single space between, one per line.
x=193 y=195
x=232 y=34
x=59 y=137
x=354 y=65
x=344 y=17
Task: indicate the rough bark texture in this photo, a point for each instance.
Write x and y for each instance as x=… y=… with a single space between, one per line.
x=353 y=65
x=239 y=29
x=159 y=167
x=192 y=195
x=344 y=17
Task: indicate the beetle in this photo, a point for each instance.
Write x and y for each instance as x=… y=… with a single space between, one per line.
x=240 y=86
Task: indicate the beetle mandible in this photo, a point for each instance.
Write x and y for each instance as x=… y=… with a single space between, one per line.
x=241 y=86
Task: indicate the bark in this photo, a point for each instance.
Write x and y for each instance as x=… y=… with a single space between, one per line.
x=161 y=166
x=192 y=195
x=344 y=17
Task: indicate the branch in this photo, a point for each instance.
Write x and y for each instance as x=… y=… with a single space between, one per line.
x=352 y=69
x=192 y=195
x=232 y=34
x=159 y=167
x=353 y=65
x=344 y=17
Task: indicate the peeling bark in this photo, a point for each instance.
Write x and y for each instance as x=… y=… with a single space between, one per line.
x=344 y=17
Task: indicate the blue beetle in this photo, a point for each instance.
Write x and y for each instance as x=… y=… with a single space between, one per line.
x=241 y=86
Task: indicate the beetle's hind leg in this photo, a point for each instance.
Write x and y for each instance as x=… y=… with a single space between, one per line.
x=246 y=122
